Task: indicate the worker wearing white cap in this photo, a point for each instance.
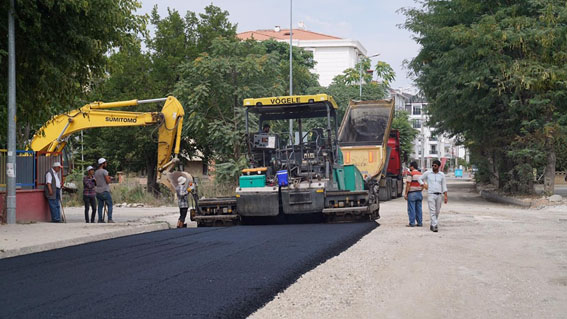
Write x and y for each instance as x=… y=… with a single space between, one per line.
x=89 y=194
x=182 y=195
x=53 y=191
x=102 y=190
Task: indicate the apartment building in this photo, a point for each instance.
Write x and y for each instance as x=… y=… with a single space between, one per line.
x=332 y=54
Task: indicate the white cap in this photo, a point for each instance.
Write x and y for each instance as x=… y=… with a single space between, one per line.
x=101 y=160
x=56 y=164
x=181 y=180
x=89 y=168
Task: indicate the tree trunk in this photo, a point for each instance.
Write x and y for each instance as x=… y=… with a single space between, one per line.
x=151 y=167
x=549 y=174
x=492 y=167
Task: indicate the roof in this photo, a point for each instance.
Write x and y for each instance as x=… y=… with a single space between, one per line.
x=283 y=34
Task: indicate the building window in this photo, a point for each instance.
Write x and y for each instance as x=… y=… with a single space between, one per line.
x=408 y=108
x=416 y=124
x=416 y=110
x=433 y=137
x=433 y=149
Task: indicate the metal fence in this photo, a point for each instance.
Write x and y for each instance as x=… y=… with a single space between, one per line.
x=31 y=167
x=44 y=162
x=25 y=169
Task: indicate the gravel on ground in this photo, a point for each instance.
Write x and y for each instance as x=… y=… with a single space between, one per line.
x=488 y=260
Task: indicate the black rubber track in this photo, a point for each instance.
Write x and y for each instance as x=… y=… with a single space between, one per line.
x=205 y=272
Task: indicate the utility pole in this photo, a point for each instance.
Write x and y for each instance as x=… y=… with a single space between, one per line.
x=360 y=76
x=422 y=161
x=290 y=68
x=11 y=160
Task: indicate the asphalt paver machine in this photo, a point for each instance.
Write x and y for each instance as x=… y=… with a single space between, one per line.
x=294 y=174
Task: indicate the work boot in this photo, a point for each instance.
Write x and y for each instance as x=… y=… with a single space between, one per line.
x=435 y=229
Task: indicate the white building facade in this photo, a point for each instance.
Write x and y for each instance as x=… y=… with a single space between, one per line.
x=332 y=54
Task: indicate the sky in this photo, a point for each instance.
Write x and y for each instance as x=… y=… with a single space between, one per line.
x=374 y=23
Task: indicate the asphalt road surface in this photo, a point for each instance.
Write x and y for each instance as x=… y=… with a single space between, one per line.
x=206 y=272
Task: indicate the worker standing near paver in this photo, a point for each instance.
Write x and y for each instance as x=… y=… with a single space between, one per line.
x=413 y=196
x=436 y=185
x=53 y=191
x=182 y=195
x=102 y=190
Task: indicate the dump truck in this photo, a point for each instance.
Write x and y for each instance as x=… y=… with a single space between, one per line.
x=367 y=141
x=294 y=174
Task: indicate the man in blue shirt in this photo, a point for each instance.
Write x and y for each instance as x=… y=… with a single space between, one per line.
x=436 y=186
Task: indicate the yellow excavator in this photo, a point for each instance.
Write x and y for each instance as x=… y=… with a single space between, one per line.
x=52 y=137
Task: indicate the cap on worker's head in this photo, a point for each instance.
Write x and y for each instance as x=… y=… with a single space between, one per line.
x=56 y=164
x=89 y=168
x=101 y=160
x=181 y=180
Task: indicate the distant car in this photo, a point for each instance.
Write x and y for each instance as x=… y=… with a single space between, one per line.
x=474 y=169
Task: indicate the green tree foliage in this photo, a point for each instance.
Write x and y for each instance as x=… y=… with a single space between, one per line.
x=133 y=74
x=494 y=72
x=407 y=133
x=346 y=86
x=213 y=86
x=60 y=46
x=363 y=70
x=178 y=39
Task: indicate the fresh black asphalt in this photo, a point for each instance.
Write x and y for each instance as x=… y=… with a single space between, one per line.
x=200 y=272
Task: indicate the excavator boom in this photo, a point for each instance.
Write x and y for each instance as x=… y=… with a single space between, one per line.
x=53 y=135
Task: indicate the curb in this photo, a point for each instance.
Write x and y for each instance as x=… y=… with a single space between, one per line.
x=493 y=197
x=86 y=239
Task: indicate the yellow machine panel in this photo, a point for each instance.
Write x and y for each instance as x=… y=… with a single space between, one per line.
x=368 y=159
x=363 y=135
x=288 y=100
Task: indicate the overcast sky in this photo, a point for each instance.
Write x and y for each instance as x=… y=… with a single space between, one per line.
x=372 y=22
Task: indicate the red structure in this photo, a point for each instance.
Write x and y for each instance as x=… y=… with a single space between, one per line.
x=31 y=205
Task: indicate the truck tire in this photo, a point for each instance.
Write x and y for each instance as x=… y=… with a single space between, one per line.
x=394 y=188
x=385 y=192
x=400 y=188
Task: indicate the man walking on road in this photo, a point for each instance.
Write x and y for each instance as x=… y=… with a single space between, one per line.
x=413 y=196
x=102 y=190
x=436 y=186
x=53 y=191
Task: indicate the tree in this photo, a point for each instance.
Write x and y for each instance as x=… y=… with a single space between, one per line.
x=60 y=46
x=213 y=86
x=494 y=72
x=142 y=75
x=407 y=133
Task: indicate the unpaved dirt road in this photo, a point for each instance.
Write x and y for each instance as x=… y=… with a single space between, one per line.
x=487 y=261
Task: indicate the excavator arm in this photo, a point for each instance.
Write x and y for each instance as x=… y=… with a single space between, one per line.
x=52 y=137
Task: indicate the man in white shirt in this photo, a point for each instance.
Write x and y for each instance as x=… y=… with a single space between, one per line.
x=53 y=191
x=436 y=186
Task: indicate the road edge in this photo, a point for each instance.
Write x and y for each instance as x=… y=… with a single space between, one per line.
x=85 y=239
x=496 y=198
